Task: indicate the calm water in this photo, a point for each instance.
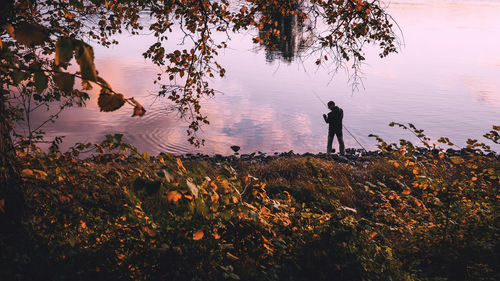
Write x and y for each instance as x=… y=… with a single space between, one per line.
x=446 y=80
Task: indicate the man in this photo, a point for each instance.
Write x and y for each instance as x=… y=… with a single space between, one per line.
x=334 y=119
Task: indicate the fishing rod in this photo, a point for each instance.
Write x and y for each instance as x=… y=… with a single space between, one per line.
x=319 y=98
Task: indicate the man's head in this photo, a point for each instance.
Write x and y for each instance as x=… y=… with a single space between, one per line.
x=331 y=104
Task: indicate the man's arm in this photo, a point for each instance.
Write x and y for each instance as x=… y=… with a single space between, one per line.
x=324 y=117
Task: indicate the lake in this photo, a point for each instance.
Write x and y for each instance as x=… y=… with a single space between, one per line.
x=445 y=79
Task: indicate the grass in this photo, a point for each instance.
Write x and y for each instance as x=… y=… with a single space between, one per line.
x=408 y=214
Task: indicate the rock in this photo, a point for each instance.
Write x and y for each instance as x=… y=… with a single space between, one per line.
x=235 y=148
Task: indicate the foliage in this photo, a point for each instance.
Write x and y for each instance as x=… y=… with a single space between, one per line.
x=412 y=214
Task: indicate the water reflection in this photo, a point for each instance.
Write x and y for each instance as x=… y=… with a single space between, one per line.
x=288 y=36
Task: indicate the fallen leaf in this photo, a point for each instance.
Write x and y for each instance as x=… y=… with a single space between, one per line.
x=173 y=196
x=198 y=235
x=27 y=173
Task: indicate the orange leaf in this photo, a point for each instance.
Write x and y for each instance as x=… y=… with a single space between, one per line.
x=27 y=173
x=180 y=166
x=371 y=235
x=173 y=196
x=406 y=191
x=198 y=235
x=214 y=186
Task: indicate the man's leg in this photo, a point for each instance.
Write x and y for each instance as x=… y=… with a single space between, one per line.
x=329 y=144
x=340 y=138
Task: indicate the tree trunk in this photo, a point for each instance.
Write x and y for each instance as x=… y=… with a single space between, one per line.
x=11 y=194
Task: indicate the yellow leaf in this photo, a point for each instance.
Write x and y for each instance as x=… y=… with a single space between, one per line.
x=198 y=235
x=216 y=236
x=173 y=196
x=83 y=224
x=110 y=102
x=474 y=179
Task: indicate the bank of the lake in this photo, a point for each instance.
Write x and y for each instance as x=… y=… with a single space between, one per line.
x=400 y=213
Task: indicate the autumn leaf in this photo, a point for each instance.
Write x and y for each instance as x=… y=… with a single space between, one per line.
x=406 y=191
x=173 y=196
x=84 y=55
x=110 y=102
x=28 y=33
x=456 y=160
x=149 y=231
x=180 y=166
x=214 y=197
x=64 y=51
x=27 y=173
x=198 y=235
x=64 y=81
x=86 y=85
x=10 y=29
x=138 y=109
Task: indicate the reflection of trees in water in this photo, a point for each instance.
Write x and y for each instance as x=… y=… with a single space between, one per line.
x=286 y=37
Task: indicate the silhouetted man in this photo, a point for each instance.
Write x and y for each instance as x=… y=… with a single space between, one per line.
x=334 y=119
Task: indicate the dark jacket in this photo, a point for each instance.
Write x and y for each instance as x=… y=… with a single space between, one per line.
x=334 y=119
